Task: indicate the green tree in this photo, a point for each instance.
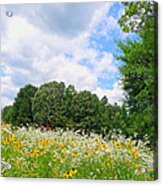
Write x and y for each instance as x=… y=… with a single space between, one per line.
x=22 y=107
x=49 y=104
x=112 y=117
x=85 y=109
x=139 y=68
x=7 y=113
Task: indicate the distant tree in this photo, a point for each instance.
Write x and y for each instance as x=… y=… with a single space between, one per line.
x=112 y=117
x=70 y=92
x=55 y=105
x=84 y=110
x=7 y=113
x=22 y=107
x=49 y=104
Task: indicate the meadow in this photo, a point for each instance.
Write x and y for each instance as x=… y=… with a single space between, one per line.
x=68 y=154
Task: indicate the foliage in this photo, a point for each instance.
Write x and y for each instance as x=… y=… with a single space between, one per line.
x=21 y=111
x=7 y=114
x=48 y=104
x=64 y=107
x=139 y=68
x=138 y=16
x=56 y=105
x=66 y=154
x=84 y=109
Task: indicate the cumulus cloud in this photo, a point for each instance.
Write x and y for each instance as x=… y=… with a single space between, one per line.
x=115 y=95
x=43 y=43
x=65 y=19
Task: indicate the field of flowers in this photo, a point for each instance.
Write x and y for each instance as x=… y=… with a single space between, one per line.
x=66 y=154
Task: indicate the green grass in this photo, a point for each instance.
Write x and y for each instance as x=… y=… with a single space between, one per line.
x=66 y=154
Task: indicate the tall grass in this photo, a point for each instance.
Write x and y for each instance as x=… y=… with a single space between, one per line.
x=66 y=154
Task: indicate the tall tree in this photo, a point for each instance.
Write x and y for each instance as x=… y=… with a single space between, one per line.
x=22 y=107
x=84 y=109
x=48 y=104
x=139 y=68
x=7 y=113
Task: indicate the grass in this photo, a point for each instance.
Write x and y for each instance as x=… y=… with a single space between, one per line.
x=66 y=154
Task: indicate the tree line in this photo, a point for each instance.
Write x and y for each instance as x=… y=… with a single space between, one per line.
x=60 y=106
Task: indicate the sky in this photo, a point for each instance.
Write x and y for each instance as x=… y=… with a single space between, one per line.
x=69 y=42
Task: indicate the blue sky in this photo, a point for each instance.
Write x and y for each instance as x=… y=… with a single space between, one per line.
x=70 y=42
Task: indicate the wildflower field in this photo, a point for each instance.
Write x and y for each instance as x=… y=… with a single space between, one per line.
x=67 y=154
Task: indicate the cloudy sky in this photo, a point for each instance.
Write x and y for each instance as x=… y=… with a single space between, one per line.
x=70 y=42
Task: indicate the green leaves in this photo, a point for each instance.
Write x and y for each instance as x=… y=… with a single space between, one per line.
x=49 y=101
x=140 y=67
x=7 y=113
x=137 y=15
x=21 y=111
x=56 y=105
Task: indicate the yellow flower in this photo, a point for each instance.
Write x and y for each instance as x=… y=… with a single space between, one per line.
x=16 y=149
x=5 y=141
x=11 y=138
x=34 y=174
x=53 y=141
x=127 y=161
x=62 y=144
x=97 y=146
x=98 y=140
x=136 y=155
x=138 y=165
x=112 y=142
x=64 y=150
x=73 y=171
x=150 y=170
x=130 y=143
x=70 y=173
x=44 y=146
x=45 y=141
x=67 y=174
x=94 y=151
x=108 y=164
x=58 y=145
x=32 y=155
x=136 y=149
x=104 y=147
x=40 y=153
x=72 y=143
x=132 y=151
x=86 y=154
x=118 y=146
x=74 y=154
x=16 y=164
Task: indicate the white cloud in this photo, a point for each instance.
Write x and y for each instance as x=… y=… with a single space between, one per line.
x=60 y=69
x=65 y=19
x=107 y=24
x=114 y=95
x=8 y=91
x=6 y=101
x=33 y=55
x=105 y=66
